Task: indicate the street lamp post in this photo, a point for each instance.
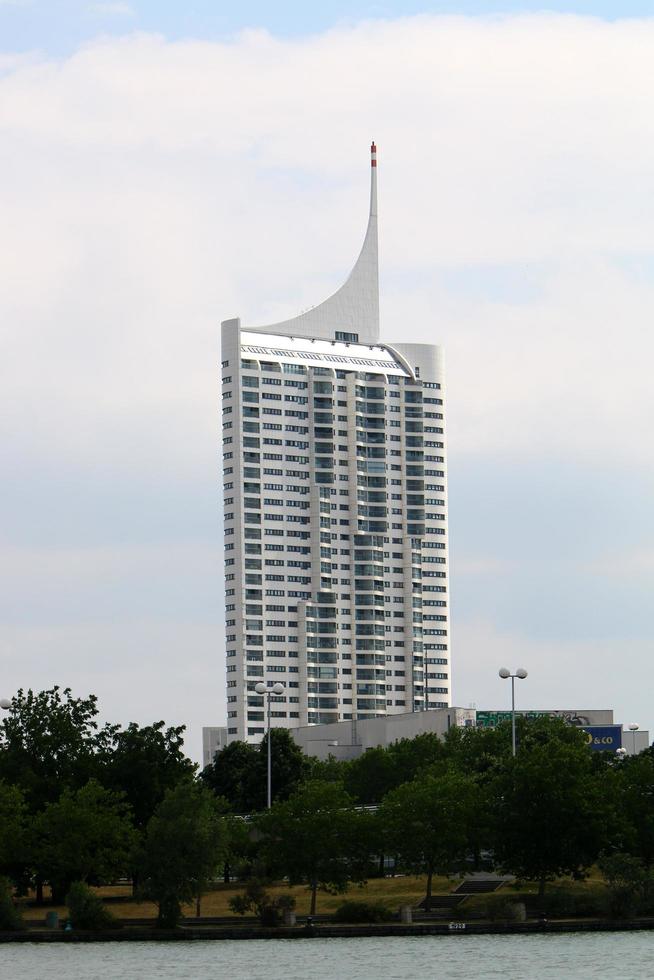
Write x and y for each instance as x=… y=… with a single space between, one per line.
x=268 y=692
x=504 y=674
x=633 y=729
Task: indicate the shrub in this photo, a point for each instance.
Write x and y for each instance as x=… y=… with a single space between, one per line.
x=646 y=902
x=566 y=902
x=86 y=910
x=10 y=917
x=497 y=908
x=362 y=912
x=627 y=882
x=256 y=899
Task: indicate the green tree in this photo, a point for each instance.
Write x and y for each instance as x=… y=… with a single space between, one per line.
x=87 y=835
x=13 y=832
x=86 y=910
x=10 y=917
x=238 y=772
x=637 y=801
x=553 y=805
x=289 y=768
x=48 y=741
x=185 y=844
x=626 y=880
x=230 y=774
x=426 y=823
x=414 y=755
x=478 y=750
x=316 y=837
x=372 y=775
x=143 y=763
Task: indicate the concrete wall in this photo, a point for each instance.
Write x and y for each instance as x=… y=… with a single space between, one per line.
x=347 y=739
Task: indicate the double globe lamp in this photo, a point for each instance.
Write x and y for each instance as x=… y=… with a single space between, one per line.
x=505 y=673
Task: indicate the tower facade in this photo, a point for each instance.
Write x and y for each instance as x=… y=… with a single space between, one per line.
x=335 y=497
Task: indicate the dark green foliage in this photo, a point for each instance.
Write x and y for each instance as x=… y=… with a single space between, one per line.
x=238 y=772
x=13 y=831
x=316 y=837
x=230 y=774
x=143 y=763
x=627 y=883
x=49 y=741
x=637 y=793
x=379 y=770
x=370 y=777
x=87 y=834
x=51 y=749
x=86 y=910
x=495 y=908
x=185 y=845
x=362 y=912
x=553 y=810
x=10 y=917
x=425 y=823
x=565 y=901
x=256 y=899
x=73 y=792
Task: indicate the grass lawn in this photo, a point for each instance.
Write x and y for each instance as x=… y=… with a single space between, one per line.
x=386 y=891
x=392 y=892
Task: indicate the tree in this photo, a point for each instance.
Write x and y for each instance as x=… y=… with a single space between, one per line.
x=626 y=882
x=143 y=763
x=239 y=771
x=478 y=750
x=13 y=836
x=257 y=899
x=185 y=843
x=637 y=801
x=370 y=777
x=414 y=755
x=87 y=835
x=316 y=836
x=426 y=823
x=86 y=910
x=48 y=741
x=289 y=767
x=379 y=770
x=10 y=917
x=552 y=805
x=229 y=775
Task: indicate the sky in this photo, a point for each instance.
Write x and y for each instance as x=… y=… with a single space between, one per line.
x=167 y=166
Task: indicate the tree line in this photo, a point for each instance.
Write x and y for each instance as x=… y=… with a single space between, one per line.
x=84 y=803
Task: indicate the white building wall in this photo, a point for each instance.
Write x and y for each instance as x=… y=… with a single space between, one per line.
x=213 y=740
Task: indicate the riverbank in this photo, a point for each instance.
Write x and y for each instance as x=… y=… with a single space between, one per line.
x=186 y=933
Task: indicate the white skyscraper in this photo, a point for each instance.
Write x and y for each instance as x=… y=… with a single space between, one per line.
x=335 y=513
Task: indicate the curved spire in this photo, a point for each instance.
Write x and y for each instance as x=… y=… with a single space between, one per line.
x=354 y=308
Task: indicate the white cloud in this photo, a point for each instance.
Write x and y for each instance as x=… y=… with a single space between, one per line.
x=150 y=183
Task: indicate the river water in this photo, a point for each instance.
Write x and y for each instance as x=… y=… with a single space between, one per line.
x=626 y=955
